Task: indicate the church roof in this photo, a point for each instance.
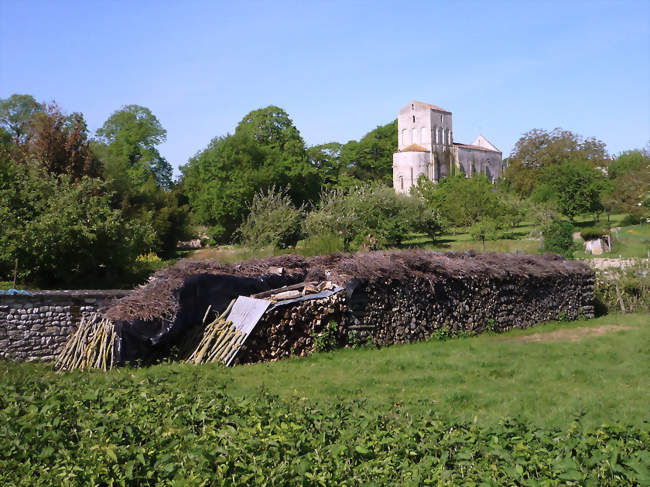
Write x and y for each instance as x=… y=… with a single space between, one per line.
x=428 y=105
x=475 y=147
x=414 y=148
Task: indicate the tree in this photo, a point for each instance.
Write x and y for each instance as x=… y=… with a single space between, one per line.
x=266 y=150
x=538 y=149
x=558 y=238
x=326 y=158
x=63 y=232
x=631 y=160
x=59 y=143
x=16 y=114
x=629 y=188
x=574 y=187
x=129 y=138
x=462 y=201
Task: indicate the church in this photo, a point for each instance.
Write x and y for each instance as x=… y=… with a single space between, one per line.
x=426 y=147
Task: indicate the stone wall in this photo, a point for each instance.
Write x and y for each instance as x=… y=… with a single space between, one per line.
x=36 y=326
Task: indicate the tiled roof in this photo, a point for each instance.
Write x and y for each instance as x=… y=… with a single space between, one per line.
x=414 y=148
x=476 y=147
x=428 y=105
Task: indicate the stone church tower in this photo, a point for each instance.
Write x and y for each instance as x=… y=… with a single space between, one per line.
x=426 y=147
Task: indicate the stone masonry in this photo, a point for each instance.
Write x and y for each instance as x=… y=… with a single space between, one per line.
x=36 y=326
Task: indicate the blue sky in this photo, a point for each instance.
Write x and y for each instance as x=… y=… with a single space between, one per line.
x=338 y=68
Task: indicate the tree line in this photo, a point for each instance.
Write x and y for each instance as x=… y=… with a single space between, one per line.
x=76 y=207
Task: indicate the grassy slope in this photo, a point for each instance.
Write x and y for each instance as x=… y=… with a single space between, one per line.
x=604 y=379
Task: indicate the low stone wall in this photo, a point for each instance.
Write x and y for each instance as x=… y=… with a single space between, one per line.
x=36 y=326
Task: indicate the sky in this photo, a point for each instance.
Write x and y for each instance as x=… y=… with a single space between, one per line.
x=338 y=69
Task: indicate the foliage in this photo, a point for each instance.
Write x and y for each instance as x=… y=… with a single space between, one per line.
x=165 y=211
x=558 y=238
x=629 y=284
x=371 y=216
x=463 y=201
x=273 y=220
x=629 y=161
x=592 y=233
x=629 y=189
x=574 y=187
x=180 y=424
x=16 y=114
x=357 y=162
x=265 y=150
x=127 y=147
x=326 y=339
x=58 y=142
x=322 y=244
x=485 y=229
x=61 y=232
x=539 y=149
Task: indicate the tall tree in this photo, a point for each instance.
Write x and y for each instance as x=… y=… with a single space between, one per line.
x=574 y=187
x=265 y=150
x=16 y=114
x=59 y=143
x=128 y=147
x=538 y=149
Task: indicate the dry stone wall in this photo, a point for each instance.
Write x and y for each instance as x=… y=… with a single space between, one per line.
x=36 y=326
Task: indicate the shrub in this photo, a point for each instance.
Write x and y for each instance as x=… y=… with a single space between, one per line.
x=631 y=219
x=558 y=238
x=322 y=244
x=486 y=229
x=273 y=220
x=371 y=216
x=64 y=233
x=629 y=285
x=592 y=233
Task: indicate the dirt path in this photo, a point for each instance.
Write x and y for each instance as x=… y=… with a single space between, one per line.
x=568 y=335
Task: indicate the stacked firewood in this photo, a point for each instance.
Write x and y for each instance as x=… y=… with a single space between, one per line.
x=292 y=329
x=91 y=346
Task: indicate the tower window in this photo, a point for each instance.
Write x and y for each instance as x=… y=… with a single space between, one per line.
x=412 y=106
x=413 y=118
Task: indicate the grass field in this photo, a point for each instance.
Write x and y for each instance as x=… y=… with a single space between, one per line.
x=558 y=404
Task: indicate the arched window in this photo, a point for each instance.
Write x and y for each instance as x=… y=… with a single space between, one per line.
x=413 y=118
x=414 y=135
x=442 y=139
x=401 y=182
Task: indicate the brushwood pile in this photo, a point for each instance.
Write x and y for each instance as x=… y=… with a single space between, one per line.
x=324 y=302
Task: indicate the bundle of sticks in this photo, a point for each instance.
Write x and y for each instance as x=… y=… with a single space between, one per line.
x=221 y=341
x=91 y=346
